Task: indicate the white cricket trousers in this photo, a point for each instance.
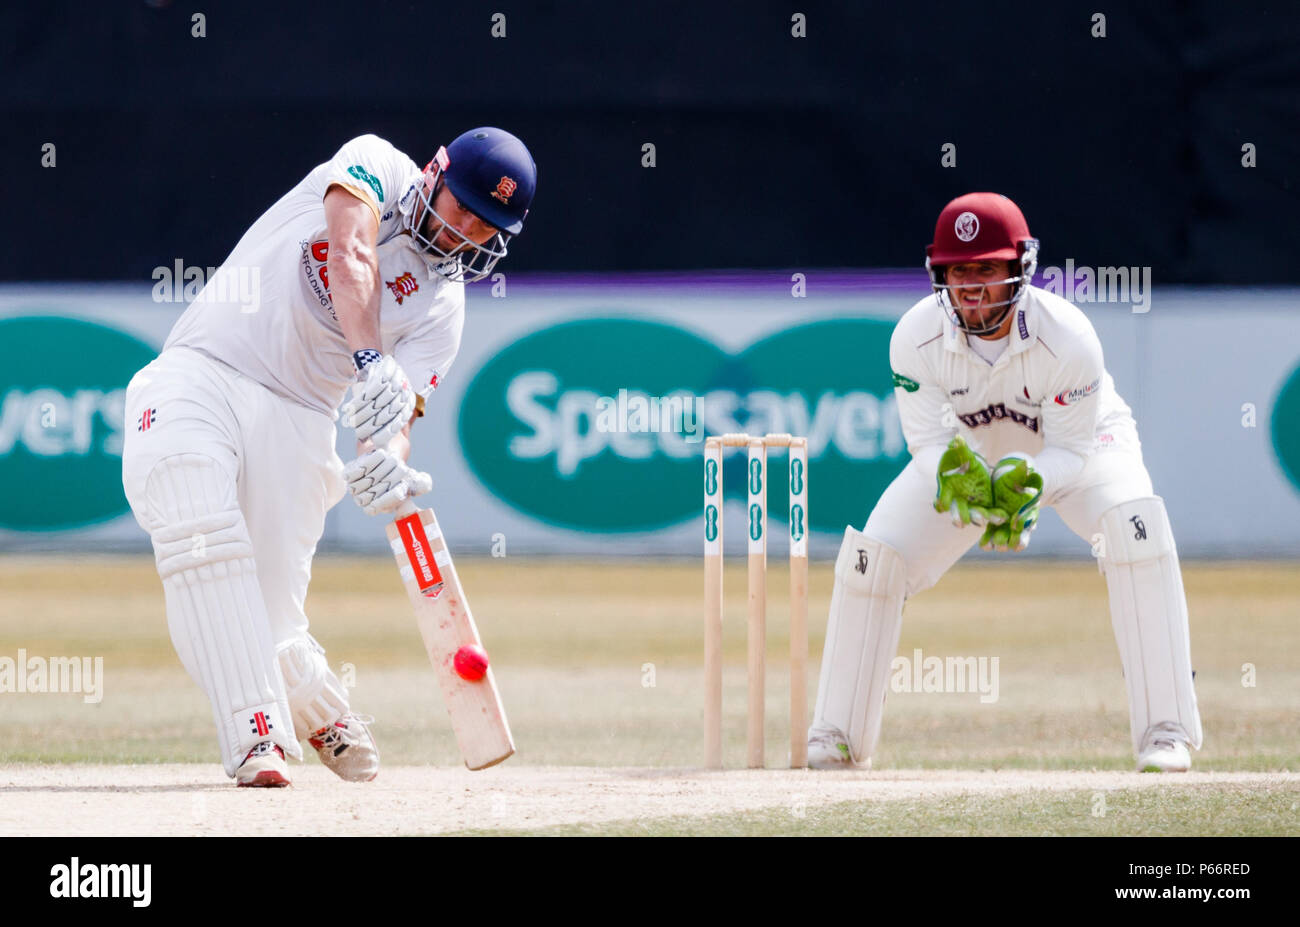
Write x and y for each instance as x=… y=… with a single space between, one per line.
x=905 y=519
x=280 y=456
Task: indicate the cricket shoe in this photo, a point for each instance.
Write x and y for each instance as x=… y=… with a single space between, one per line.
x=1164 y=749
x=347 y=748
x=263 y=768
x=829 y=749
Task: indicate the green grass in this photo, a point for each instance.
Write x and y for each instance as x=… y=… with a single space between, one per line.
x=1168 y=811
x=600 y=664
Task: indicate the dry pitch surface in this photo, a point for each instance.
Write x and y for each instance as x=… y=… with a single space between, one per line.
x=184 y=799
x=600 y=669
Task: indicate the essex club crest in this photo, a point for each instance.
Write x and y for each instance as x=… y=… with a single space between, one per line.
x=403 y=287
x=505 y=189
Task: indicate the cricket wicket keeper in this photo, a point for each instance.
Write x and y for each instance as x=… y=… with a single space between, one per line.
x=361 y=270
x=1006 y=406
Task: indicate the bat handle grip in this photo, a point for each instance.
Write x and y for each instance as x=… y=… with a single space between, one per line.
x=408 y=507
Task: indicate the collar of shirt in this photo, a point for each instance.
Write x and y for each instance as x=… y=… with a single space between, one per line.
x=1022 y=331
x=410 y=193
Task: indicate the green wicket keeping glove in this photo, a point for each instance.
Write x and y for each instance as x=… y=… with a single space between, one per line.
x=965 y=487
x=1017 y=490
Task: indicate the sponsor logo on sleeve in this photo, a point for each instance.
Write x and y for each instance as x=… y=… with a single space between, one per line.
x=906 y=383
x=1020 y=322
x=1069 y=397
x=360 y=173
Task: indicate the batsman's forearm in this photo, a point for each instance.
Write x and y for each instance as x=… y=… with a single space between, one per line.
x=354 y=288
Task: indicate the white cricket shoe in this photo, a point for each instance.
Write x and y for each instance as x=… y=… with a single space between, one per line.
x=263 y=768
x=347 y=748
x=829 y=749
x=1164 y=749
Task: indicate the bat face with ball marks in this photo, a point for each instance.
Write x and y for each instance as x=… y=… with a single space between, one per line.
x=451 y=638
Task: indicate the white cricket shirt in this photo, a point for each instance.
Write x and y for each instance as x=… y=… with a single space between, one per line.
x=1047 y=395
x=288 y=338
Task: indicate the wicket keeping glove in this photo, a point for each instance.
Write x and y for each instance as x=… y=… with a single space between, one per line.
x=1017 y=490
x=965 y=487
x=380 y=481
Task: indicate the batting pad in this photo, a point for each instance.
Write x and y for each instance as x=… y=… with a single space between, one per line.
x=215 y=611
x=1148 y=611
x=316 y=695
x=862 y=631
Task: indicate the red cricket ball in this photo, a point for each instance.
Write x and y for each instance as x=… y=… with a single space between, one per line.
x=471 y=662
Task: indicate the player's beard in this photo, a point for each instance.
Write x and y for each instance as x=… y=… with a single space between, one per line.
x=977 y=315
x=986 y=316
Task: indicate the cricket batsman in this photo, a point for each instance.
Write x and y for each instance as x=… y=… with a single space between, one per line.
x=360 y=271
x=1006 y=406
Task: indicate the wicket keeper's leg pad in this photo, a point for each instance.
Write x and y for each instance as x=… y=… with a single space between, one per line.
x=862 y=632
x=215 y=611
x=1148 y=611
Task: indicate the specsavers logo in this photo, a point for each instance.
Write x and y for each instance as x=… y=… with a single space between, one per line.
x=62 y=401
x=1285 y=426
x=532 y=422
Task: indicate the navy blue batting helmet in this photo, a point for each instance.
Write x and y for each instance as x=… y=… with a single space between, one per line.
x=491 y=173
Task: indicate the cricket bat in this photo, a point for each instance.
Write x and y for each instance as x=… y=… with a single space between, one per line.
x=446 y=625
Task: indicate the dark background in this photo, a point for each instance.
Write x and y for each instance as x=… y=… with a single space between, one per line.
x=773 y=151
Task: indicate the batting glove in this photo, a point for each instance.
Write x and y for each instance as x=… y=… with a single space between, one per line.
x=382 y=402
x=379 y=481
